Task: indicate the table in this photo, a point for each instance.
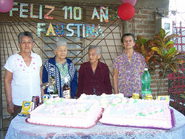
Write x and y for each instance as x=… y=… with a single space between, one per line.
x=19 y=129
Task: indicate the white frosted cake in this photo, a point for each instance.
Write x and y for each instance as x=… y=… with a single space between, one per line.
x=67 y=113
x=104 y=99
x=137 y=113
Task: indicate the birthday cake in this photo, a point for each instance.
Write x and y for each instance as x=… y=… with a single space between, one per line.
x=137 y=113
x=67 y=113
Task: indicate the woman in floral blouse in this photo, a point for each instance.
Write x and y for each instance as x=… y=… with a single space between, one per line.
x=128 y=68
x=60 y=67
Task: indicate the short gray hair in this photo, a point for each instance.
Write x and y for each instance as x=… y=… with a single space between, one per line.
x=99 y=49
x=22 y=34
x=59 y=43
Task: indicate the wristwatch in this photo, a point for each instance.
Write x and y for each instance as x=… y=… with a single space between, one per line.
x=10 y=104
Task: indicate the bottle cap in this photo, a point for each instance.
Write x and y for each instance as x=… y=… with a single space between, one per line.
x=146 y=69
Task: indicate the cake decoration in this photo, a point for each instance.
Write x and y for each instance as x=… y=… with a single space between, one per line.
x=67 y=113
x=137 y=113
x=104 y=99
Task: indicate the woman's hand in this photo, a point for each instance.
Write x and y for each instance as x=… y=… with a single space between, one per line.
x=10 y=109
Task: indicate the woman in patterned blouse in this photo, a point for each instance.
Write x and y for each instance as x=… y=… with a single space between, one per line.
x=128 y=68
x=60 y=67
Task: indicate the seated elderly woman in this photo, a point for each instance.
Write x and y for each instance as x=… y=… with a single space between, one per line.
x=60 y=67
x=94 y=75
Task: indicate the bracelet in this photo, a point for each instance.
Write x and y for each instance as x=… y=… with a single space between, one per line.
x=10 y=104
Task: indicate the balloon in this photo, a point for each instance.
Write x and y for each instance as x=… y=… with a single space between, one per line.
x=133 y=2
x=126 y=11
x=6 y=5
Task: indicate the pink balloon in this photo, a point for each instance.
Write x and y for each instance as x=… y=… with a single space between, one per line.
x=133 y=2
x=126 y=11
x=6 y=5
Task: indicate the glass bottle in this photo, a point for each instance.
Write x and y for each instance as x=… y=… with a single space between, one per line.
x=52 y=89
x=146 y=80
x=66 y=89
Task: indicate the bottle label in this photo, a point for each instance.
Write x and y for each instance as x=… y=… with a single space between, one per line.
x=146 y=92
x=66 y=94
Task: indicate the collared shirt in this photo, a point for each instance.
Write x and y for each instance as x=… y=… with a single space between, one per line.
x=25 y=80
x=94 y=83
x=129 y=76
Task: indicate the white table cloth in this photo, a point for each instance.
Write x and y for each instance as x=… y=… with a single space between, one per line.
x=19 y=129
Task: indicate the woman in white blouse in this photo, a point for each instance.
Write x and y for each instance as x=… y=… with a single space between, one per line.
x=22 y=75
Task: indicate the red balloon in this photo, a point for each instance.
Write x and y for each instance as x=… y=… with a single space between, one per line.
x=6 y=5
x=126 y=11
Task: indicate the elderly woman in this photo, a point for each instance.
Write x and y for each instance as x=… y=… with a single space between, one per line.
x=94 y=75
x=128 y=68
x=22 y=75
x=60 y=67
